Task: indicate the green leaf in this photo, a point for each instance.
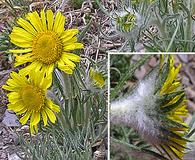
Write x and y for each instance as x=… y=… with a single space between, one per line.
x=128 y=75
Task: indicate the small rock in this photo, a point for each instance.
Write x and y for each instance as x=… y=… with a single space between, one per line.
x=14 y=157
x=185 y=81
x=139 y=47
x=135 y=58
x=10 y=120
x=139 y=74
x=183 y=57
x=152 y=62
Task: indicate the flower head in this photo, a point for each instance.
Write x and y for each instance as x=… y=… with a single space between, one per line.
x=155 y=110
x=28 y=98
x=127 y=20
x=97 y=78
x=44 y=43
x=174 y=109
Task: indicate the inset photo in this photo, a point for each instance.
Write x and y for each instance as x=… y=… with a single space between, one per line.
x=148 y=25
x=152 y=106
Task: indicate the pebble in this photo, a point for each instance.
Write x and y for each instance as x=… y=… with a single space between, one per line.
x=139 y=74
x=153 y=62
x=10 y=120
x=185 y=81
x=183 y=57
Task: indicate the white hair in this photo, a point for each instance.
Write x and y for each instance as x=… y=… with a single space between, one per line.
x=138 y=110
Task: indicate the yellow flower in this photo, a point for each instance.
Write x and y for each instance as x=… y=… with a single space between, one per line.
x=174 y=142
x=126 y=22
x=44 y=43
x=28 y=98
x=97 y=78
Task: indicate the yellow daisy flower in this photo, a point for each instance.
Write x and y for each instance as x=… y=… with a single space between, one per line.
x=28 y=98
x=174 y=143
x=44 y=43
x=126 y=22
x=97 y=78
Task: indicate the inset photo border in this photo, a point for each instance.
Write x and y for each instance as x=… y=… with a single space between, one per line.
x=151 y=106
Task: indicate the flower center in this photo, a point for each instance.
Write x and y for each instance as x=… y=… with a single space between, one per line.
x=47 y=47
x=33 y=97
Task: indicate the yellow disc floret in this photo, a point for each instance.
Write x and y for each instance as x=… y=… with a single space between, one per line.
x=47 y=48
x=33 y=97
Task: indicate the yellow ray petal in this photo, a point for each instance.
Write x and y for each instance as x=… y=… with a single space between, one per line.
x=35 y=21
x=69 y=63
x=35 y=118
x=64 y=67
x=73 y=46
x=16 y=107
x=44 y=116
x=22 y=44
x=17 y=78
x=53 y=107
x=49 y=14
x=71 y=56
x=27 y=26
x=43 y=19
x=23 y=59
x=57 y=20
x=20 y=50
x=69 y=33
x=9 y=88
x=69 y=40
x=25 y=118
x=50 y=114
x=22 y=32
